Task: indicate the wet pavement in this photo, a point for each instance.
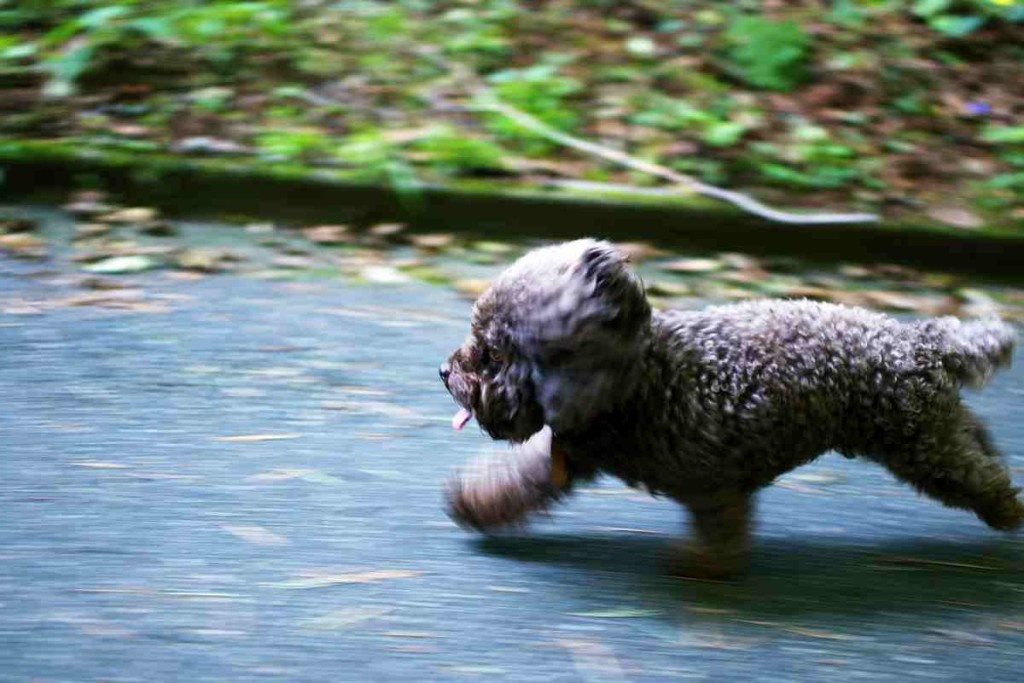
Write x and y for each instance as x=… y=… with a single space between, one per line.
x=240 y=480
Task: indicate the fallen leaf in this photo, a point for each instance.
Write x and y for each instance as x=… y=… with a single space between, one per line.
x=820 y=635
x=628 y=530
x=386 y=230
x=913 y=303
x=294 y=262
x=922 y=562
x=1011 y=625
x=100 y=284
x=278 y=475
x=202 y=144
x=956 y=217
x=256 y=535
x=434 y=242
x=493 y=247
x=252 y=438
x=670 y=289
x=471 y=287
x=346 y=618
x=638 y=251
x=855 y=272
x=821 y=479
x=477 y=670
x=349 y=578
x=593 y=660
x=17 y=225
x=384 y=275
x=135 y=215
x=965 y=637
x=201 y=260
x=328 y=234
x=129 y=130
x=747 y=276
x=122 y=265
x=88 y=231
x=88 y=203
x=621 y=613
x=20 y=241
x=694 y=265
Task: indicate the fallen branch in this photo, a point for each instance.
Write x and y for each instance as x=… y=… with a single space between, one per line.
x=487 y=102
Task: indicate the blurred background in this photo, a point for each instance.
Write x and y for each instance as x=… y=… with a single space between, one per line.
x=237 y=238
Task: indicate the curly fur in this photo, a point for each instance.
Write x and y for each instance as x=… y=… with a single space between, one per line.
x=709 y=406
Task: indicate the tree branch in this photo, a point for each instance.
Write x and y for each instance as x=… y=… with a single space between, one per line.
x=486 y=101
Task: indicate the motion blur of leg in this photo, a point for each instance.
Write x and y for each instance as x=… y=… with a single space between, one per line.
x=954 y=461
x=720 y=545
x=501 y=492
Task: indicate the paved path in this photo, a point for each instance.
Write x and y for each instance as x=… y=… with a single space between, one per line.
x=138 y=544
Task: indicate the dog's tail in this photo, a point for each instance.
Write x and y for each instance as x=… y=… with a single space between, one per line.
x=971 y=351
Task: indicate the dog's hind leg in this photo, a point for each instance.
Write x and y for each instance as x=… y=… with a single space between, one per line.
x=720 y=545
x=955 y=462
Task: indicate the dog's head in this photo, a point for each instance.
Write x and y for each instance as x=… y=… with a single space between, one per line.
x=555 y=340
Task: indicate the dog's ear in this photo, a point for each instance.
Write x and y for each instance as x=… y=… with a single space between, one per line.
x=585 y=339
x=624 y=302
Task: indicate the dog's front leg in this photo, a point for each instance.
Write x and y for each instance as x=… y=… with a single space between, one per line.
x=496 y=493
x=720 y=545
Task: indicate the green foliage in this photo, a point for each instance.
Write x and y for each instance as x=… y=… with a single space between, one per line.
x=714 y=128
x=292 y=144
x=211 y=100
x=375 y=158
x=538 y=90
x=452 y=153
x=304 y=71
x=672 y=114
x=219 y=32
x=768 y=54
x=958 y=19
x=477 y=34
x=812 y=160
x=1003 y=135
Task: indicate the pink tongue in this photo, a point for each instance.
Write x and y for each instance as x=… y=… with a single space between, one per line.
x=461 y=419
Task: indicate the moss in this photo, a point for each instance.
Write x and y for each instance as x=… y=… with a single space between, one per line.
x=151 y=167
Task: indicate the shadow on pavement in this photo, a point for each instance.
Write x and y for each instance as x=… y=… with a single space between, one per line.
x=793 y=578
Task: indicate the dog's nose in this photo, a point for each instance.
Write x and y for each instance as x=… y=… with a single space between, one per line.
x=445 y=371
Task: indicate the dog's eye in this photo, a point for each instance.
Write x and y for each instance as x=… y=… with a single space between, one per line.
x=497 y=356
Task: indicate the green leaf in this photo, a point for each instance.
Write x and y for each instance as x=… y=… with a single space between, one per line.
x=641 y=46
x=930 y=8
x=120 y=265
x=846 y=13
x=66 y=67
x=724 y=134
x=155 y=27
x=768 y=54
x=61 y=33
x=20 y=51
x=101 y=16
x=957 y=26
x=1003 y=135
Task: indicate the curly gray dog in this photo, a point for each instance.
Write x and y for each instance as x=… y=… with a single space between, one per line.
x=707 y=407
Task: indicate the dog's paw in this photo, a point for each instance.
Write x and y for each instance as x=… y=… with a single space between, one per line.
x=690 y=562
x=483 y=503
x=1005 y=513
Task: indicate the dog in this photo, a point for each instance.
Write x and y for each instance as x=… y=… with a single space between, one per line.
x=566 y=358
